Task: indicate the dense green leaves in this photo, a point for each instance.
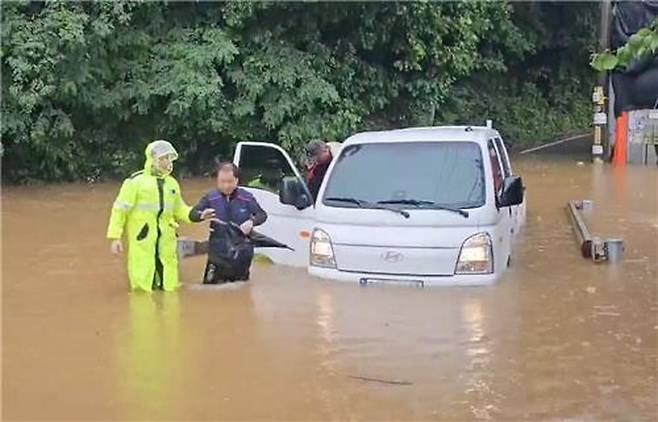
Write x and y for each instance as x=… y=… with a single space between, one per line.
x=86 y=85
x=641 y=44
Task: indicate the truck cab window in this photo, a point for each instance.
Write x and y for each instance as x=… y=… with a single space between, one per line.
x=263 y=168
x=495 y=167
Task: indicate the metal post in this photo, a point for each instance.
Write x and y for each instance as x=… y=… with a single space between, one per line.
x=604 y=34
x=600 y=122
x=610 y=250
x=599 y=95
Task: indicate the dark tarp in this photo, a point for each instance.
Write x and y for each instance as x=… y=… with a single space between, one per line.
x=637 y=86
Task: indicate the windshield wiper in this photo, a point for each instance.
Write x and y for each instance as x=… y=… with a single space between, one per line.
x=357 y=202
x=414 y=202
x=429 y=204
x=365 y=204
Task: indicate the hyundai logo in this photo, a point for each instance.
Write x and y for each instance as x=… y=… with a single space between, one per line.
x=392 y=256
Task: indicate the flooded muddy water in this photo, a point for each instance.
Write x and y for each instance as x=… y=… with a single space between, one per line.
x=559 y=338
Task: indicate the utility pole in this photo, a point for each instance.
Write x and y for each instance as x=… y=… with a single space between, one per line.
x=599 y=96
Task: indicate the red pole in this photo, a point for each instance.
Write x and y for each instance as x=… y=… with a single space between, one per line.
x=621 y=140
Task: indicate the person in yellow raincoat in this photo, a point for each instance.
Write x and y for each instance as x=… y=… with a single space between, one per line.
x=150 y=206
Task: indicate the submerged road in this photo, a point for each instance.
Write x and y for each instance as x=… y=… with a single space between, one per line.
x=559 y=338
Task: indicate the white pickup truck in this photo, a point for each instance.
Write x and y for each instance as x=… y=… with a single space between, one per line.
x=426 y=206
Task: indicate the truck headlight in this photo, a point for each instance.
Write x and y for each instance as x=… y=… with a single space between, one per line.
x=476 y=255
x=322 y=251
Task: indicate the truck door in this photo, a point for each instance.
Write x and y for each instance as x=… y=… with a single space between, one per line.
x=503 y=243
x=263 y=168
x=518 y=211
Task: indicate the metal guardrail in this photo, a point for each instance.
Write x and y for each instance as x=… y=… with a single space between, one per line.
x=610 y=250
x=551 y=144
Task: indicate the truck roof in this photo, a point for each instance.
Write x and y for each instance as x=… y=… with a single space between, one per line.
x=425 y=134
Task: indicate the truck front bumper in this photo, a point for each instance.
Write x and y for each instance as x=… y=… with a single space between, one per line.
x=420 y=280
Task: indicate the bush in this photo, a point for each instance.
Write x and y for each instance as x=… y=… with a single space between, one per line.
x=86 y=85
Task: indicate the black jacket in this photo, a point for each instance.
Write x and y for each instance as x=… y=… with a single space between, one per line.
x=226 y=244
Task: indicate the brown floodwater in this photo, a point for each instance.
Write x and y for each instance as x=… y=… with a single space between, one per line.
x=559 y=338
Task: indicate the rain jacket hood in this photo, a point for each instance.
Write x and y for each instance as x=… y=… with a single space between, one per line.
x=155 y=150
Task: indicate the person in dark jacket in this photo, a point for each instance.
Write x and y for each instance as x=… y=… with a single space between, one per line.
x=236 y=213
x=320 y=157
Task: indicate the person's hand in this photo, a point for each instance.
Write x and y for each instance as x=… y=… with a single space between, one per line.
x=310 y=162
x=116 y=247
x=207 y=214
x=247 y=226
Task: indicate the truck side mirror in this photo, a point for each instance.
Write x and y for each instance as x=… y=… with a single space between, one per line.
x=292 y=192
x=512 y=192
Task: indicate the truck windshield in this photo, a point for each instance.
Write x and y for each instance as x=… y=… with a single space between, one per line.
x=411 y=175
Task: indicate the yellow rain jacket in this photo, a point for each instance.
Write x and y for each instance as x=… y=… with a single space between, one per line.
x=150 y=206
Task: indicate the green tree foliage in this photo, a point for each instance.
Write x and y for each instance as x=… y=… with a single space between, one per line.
x=640 y=45
x=86 y=85
x=544 y=88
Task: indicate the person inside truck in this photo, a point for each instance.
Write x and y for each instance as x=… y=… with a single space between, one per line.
x=319 y=159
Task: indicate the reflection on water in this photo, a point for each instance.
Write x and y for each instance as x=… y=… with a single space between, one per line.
x=150 y=366
x=478 y=371
x=325 y=322
x=472 y=316
x=559 y=338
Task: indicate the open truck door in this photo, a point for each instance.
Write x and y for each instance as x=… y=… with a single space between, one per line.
x=268 y=172
x=518 y=212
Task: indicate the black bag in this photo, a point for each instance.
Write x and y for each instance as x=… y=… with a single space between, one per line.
x=231 y=253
